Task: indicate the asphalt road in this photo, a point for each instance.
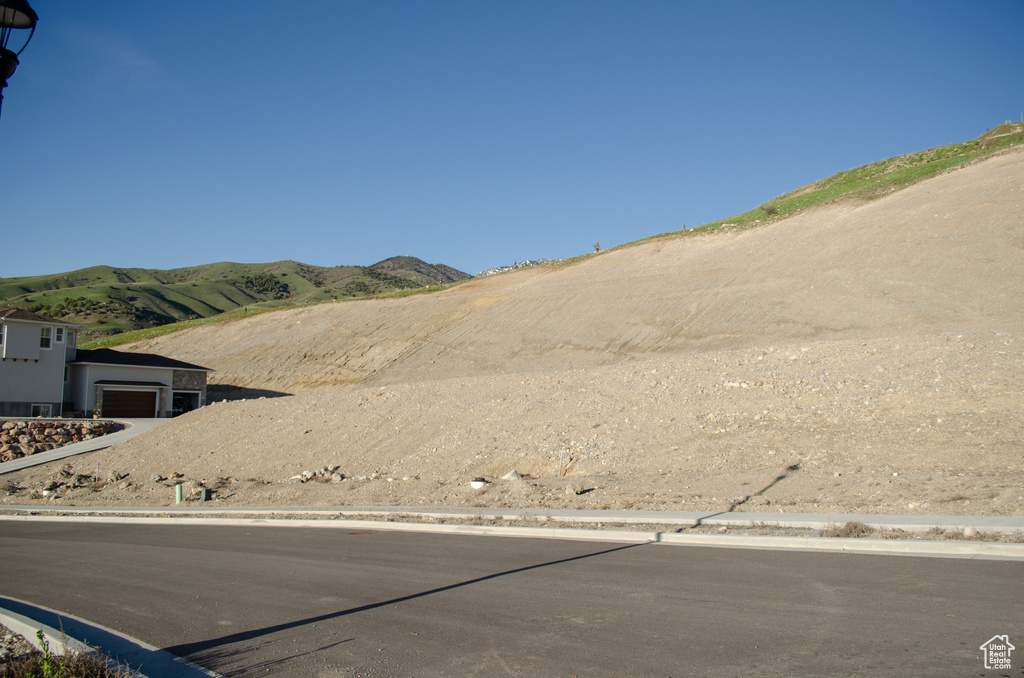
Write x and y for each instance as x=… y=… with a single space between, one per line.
x=266 y=601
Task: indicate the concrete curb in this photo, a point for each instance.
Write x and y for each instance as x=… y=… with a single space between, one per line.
x=890 y=547
x=814 y=521
x=27 y=628
x=62 y=630
x=938 y=549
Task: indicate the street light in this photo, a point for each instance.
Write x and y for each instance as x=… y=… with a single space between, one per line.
x=14 y=15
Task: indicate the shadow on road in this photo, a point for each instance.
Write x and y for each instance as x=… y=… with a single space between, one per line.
x=278 y=663
x=193 y=649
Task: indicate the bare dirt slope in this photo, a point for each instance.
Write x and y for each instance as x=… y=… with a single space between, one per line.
x=860 y=357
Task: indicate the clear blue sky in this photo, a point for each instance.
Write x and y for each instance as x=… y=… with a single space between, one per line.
x=474 y=133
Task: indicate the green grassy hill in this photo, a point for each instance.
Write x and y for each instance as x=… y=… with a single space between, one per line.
x=108 y=300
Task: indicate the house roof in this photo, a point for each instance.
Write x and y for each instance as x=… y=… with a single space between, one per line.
x=11 y=313
x=107 y=356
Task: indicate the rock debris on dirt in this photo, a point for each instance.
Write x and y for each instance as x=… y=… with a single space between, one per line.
x=12 y=646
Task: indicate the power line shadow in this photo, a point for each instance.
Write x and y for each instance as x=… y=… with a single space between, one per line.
x=205 y=646
x=732 y=508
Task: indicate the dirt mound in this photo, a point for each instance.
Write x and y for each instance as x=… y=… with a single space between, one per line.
x=943 y=256
x=857 y=357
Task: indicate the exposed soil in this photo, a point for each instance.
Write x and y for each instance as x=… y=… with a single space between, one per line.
x=859 y=357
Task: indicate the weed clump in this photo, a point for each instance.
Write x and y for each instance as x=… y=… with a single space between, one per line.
x=851 y=530
x=69 y=664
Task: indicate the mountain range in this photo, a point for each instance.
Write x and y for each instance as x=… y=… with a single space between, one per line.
x=107 y=300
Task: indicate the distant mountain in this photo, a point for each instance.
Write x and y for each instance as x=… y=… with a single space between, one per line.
x=416 y=269
x=108 y=300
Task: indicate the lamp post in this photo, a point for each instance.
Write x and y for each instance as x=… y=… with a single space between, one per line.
x=14 y=15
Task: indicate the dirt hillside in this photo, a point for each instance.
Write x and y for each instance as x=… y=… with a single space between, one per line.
x=862 y=357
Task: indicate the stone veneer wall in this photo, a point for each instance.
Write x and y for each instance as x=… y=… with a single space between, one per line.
x=190 y=380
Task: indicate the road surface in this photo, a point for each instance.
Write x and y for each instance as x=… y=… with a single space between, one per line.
x=271 y=601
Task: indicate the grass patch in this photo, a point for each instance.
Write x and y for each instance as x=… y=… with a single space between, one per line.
x=154 y=332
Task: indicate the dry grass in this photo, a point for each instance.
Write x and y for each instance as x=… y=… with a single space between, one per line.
x=856 y=529
x=851 y=530
x=74 y=666
x=69 y=664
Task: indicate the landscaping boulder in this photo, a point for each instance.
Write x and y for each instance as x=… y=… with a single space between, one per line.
x=22 y=438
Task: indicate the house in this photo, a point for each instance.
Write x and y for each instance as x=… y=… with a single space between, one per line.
x=34 y=352
x=121 y=384
x=44 y=374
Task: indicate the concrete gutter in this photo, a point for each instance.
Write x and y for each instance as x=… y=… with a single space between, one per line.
x=133 y=427
x=65 y=631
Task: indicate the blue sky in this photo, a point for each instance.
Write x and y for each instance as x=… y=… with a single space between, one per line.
x=469 y=133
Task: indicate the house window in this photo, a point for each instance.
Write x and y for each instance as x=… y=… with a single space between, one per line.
x=60 y=335
x=44 y=337
x=72 y=338
x=41 y=410
x=3 y=328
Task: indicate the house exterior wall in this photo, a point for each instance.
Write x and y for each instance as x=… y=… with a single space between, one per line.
x=30 y=374
x=87 y=393
x=21 y=340
x=78 y=389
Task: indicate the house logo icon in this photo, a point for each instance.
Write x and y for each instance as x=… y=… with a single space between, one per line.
x=997 y=651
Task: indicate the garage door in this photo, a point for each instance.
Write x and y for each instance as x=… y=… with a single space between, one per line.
x=137 y=404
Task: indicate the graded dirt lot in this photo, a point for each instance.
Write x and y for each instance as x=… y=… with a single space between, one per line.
x=857 y=357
